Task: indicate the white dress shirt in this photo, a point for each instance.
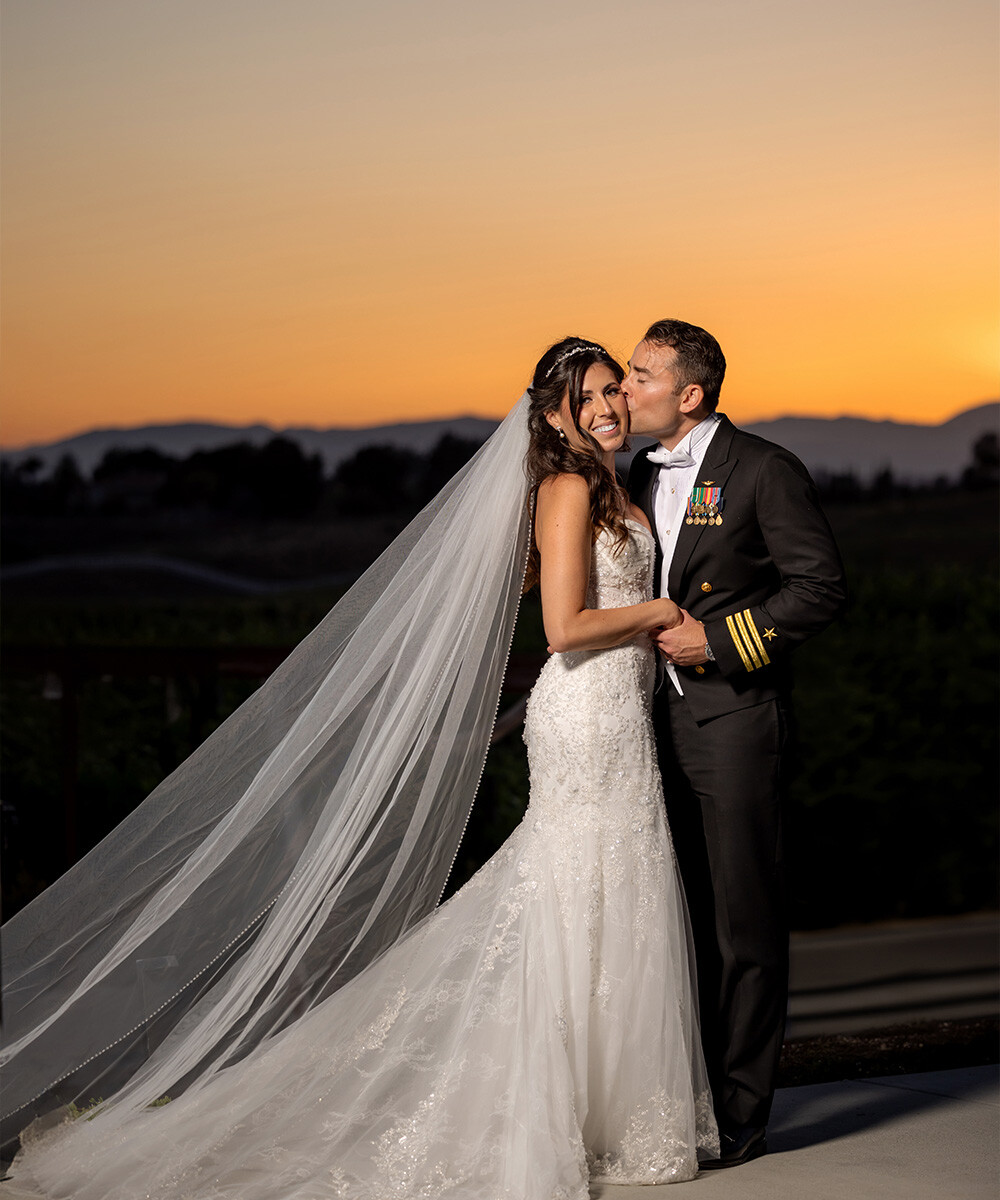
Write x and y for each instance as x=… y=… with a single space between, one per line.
x=671 y=490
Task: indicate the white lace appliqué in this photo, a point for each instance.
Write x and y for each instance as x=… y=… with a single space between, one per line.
x=533 y=1032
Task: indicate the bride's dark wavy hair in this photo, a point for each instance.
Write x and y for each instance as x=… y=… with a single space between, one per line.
x=560 y=372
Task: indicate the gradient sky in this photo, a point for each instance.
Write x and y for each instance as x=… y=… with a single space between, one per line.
x=315 y=212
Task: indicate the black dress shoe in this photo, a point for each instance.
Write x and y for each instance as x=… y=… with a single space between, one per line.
x=737 y=1149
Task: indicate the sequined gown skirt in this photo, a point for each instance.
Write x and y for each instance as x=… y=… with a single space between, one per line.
x=536 y=1032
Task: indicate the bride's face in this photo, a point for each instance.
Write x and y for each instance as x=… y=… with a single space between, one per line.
x=603 y=413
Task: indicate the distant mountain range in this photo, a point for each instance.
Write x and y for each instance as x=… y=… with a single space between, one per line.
x=916 y=453
x=332 y=445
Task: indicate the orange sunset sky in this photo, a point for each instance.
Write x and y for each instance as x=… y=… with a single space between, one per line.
x=326 y=213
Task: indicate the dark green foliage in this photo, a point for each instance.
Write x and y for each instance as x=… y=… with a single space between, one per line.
x=290 y=483
x=984 y=470
x=273 y=480
x=377 y=479
x=386 y=479
x=893 y=806
x=281 y=620
x=146 y=460
x=23 y=490
x=446 y=459
x=130 y=733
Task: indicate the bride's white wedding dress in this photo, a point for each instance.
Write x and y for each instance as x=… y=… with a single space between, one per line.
x=535 y=1032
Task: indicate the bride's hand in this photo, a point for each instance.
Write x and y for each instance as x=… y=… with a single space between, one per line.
x=672 y=615
x=684 y=644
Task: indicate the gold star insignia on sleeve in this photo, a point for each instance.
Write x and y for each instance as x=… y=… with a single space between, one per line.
x=770 y=634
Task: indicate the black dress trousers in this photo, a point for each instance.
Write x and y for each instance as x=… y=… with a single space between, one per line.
x=723 y=786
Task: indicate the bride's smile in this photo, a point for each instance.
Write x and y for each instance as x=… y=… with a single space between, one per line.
x=603 y=413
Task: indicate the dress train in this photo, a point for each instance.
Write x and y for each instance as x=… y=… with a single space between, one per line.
x=535 y=1033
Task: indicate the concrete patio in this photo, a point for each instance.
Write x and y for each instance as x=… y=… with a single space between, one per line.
x=903 y=1137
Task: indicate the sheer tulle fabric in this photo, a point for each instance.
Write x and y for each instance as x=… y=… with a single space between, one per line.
x=535 y=1032
x=300 y=840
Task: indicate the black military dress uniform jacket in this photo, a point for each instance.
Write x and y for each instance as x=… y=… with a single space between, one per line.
x=765 y=579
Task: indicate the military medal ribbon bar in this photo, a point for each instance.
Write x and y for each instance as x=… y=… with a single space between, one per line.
x=704 y=506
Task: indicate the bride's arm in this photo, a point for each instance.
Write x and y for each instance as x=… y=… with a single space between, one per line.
x=564 y=535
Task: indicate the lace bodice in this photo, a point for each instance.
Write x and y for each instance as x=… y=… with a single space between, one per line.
x=621 y=575
x=588 y=726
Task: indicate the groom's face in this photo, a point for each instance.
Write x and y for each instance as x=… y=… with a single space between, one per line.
x=651 y=389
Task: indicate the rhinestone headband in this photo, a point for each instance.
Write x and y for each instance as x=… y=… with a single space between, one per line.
x=569 y=354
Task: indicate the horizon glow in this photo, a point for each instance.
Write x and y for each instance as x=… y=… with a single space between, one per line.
x=311 y=214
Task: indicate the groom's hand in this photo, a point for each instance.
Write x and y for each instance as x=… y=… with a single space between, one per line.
x=684 y=645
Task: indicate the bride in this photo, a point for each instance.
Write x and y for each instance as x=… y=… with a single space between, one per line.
x=247 y=989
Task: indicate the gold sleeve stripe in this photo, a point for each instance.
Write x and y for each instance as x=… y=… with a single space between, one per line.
x=738 y=617
x=731 y=626
x=756 y=635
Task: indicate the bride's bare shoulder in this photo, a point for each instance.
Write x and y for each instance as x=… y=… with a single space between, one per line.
x=564 y=490
x=563 y=504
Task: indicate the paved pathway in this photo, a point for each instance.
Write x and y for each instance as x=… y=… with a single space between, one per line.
x=902 y=1137
x=869 y=976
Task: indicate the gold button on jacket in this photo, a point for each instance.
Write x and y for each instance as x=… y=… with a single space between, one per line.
x=706 y=586
x=700 y=670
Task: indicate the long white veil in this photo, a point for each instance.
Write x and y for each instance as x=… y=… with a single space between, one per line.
x=310 y=831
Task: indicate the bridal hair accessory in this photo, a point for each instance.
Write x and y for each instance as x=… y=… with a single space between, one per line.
x=313 y=828
x=575 y=350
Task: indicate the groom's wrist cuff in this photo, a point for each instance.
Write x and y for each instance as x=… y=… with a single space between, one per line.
x=739 y=643
x=747 y=640
x=727 y=659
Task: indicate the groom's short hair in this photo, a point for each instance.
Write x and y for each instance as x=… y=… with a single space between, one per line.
x=699 y=356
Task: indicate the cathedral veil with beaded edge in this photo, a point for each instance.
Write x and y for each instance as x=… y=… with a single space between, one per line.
x=311 y=830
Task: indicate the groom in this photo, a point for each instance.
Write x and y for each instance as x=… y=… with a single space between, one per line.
x=745 y=550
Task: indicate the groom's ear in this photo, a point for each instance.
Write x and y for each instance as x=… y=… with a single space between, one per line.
x=691 y=398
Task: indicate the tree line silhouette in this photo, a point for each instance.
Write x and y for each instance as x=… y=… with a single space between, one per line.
x=981 y=472
x=278 y=479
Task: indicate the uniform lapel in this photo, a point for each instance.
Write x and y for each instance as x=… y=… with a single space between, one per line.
x=715 y=470
x=643 y=497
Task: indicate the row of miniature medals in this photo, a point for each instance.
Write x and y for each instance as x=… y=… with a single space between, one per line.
x=704 y=506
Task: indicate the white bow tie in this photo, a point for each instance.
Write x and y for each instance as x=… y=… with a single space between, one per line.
x=671 y=458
